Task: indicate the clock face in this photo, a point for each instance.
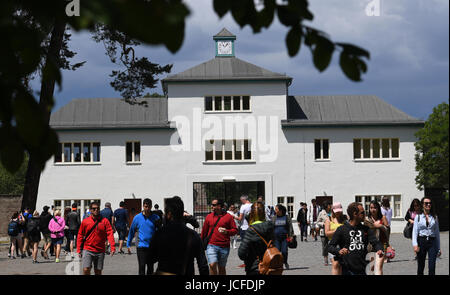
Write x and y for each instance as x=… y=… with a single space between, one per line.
x=224 y=47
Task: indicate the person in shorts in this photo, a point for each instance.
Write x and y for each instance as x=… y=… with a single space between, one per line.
x=56 y=227
x=120 y=223
x=74 y=222
x=92 y=240
x=218 y=246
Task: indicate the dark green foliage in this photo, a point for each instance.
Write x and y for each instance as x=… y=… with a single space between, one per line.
x=432 y=161
x=139 y=73
x=12 y=184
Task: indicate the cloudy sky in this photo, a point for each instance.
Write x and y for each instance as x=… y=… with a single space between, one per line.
x=408 y=43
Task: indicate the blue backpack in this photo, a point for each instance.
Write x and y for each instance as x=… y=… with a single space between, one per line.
x=13 y=228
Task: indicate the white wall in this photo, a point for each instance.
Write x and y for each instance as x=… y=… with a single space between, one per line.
x=164 y=172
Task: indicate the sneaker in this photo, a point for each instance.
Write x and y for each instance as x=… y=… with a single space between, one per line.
x=29 y=253
x=22 y=256
x=9 y=255
x=35 y=261
x=57 y=260
x=121 y=252
x=286 y=265
x=13 y=257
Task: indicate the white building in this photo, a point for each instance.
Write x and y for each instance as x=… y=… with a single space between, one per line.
x=225 y=128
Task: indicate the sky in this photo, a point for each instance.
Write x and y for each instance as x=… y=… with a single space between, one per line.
x=408 y=41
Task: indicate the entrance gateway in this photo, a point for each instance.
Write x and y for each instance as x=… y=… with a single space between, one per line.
x=229 y=192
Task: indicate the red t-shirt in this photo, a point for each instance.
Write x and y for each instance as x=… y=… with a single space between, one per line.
x=217 y=238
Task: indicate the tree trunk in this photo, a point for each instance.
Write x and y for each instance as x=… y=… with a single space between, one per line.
x=45 y=101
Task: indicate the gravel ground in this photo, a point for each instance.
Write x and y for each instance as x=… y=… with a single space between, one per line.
x=305 y=260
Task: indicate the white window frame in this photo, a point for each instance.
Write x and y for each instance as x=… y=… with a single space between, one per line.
x=233 y=151
x=284 y=200
x=222 y=101
x=72 y=156
x=133 y=158
x=321 y=159
x=365 y=200
x=371 y=158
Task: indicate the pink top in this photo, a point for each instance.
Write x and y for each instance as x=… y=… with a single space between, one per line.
x=56 y=228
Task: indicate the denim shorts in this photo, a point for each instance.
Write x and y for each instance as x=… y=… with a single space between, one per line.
x=58 y=241
x=122 y=233
x=217 y=254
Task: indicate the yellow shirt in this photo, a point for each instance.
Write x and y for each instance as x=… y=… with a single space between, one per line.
x=334 y=226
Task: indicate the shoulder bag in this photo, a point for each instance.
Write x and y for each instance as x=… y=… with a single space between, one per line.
x=88 y=234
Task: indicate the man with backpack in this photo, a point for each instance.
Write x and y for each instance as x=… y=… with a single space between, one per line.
x=108 y=214
x=26 y=215
x=91 y=239
x=43 y=226
x=34 y=234
x=73 y=222
x=15 y=235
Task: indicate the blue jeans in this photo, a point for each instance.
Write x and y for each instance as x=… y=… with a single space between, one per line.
x=427 y=246
x=281 y=245
x=303 y=230
x=217 y=254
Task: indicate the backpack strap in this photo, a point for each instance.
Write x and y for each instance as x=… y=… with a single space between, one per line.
x=89 y=233
x=267 y=244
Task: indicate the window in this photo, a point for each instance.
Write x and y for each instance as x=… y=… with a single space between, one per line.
x=321 y=149
x=227 y=103
x=78 y=152
x=288 y=202
x=376 y=148
x=394 y=201
x=133 y=151
x=228 y=150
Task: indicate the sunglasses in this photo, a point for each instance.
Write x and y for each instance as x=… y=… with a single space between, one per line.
x=427 y=203
x=95 y=208
x=214 y=204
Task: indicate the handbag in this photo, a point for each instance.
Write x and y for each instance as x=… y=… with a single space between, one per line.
x=407 y=231
x=206 y=240
x=292 y=242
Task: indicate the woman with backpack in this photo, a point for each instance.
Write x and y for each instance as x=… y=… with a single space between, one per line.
x=253 y=246
x=56 y=227
x=15 y=235
x=283 y=230
x=34 y=234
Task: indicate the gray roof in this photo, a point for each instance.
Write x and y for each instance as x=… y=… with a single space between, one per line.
x=344 y=110
x=104 y=113
x=224 y=33
x=225 y=68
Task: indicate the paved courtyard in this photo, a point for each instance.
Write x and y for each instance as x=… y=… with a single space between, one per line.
x=305 y=260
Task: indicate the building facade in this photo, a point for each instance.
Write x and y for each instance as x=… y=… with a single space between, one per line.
x=226 y=128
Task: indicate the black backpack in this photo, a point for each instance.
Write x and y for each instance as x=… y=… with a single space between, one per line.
x=13 y=228
x=33 y=225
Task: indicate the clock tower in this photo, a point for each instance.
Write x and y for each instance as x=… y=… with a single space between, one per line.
x=224 y=43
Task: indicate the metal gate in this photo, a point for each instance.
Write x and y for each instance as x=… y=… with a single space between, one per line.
x=229 y=192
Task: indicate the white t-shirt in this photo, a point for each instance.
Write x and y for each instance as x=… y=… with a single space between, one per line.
x=235 y=220
x=245 y=209
x=387 y=213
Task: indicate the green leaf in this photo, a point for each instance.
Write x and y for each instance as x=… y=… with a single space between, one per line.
x=286 y=16
x=349 y=66
x=354 y=50
x=323 y=52
x=221 y=7
x=12 y=155
x=294 y=40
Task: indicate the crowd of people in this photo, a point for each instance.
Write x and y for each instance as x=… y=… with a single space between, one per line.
x=163 y=238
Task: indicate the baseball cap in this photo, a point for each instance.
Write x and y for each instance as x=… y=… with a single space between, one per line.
x=337 y=207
